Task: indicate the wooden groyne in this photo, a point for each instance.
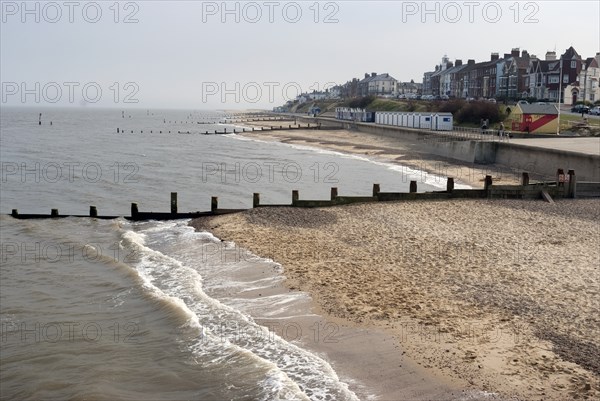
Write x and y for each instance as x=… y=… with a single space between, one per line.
x=227 y=131
x=565 y=186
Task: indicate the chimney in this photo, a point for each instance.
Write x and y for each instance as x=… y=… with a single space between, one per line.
x=373 y=74
x=494 y=57
x=515 y=52
x=524 y=54
x=458 y=63
x=507 y=56
x=550 y=56
x=437 y=67
x=471 y=62
x=366 y=75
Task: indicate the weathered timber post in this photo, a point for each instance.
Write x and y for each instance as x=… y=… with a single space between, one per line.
x=487 y=183
x=572 y=190
x=173 y=202
x=334 y=193
x=54 y=213
x=117 y=130
x=93 y=211
x=413 y=187
x=525 y=178
x=450 y=185
x=214 y=204
x=134 y=211
x=256 y=199
x=14 y=213
x=295 y=196
x=376 y=190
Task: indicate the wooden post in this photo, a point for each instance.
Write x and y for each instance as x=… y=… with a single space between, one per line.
x=214 y=204
x=256 y=199
x=117 y=130
x=560 y=177
x=54 y=213
x=134 y=210
x=93 y=211
x=173 y=202
x=413 y=187
x=487 y=183
x=376 y=190
x=334 y=193
x=572 y=190
x=40 y=120
x=295 y=196
x=525 y=178
x=14 y=213
x=450 y=185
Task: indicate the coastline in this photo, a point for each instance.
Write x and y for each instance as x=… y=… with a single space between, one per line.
x=367 y=359
x=402 y=152
x=483 y=310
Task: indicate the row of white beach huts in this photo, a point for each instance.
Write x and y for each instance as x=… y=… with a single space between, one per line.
x=429 y=121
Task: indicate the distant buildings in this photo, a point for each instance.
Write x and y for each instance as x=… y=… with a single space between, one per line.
x=377 y=85
x=517 y=75
x=587 y=85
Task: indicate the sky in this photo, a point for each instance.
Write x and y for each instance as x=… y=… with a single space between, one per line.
x=203 y=55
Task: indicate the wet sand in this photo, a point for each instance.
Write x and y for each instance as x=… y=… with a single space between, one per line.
x=406 y=152
x=499 y=296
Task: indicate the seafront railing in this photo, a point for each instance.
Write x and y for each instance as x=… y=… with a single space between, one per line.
x=565 y=186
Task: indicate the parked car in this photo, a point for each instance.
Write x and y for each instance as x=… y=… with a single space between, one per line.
x=522 y=102
x=580 y=108
x=595 y=110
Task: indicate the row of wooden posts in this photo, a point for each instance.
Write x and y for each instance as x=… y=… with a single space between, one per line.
x=252 y=129
x=228 y=120
x=525 y=190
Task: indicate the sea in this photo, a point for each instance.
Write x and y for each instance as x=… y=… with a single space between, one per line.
x=95 y=309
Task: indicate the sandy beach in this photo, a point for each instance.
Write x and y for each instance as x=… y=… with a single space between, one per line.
x=405 y=152
x=496 y=295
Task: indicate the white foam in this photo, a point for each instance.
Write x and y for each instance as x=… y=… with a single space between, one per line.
x=434 y=180
x=181 y=285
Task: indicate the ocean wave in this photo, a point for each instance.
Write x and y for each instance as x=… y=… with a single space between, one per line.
x=293 y=371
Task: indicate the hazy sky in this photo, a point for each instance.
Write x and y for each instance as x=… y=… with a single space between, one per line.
x=215 y=55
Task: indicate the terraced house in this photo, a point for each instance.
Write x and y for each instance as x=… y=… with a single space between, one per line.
x=378 y=85
x=543 y=78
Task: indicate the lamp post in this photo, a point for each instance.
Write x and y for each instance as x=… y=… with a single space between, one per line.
x=507 y=69
x=584 y=83
x=559 y=93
